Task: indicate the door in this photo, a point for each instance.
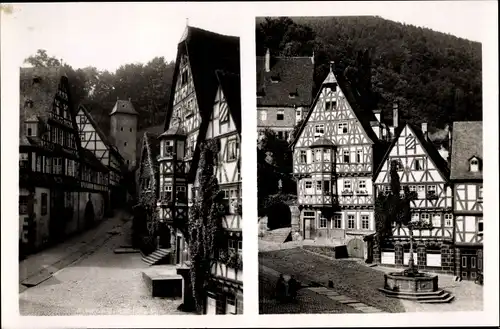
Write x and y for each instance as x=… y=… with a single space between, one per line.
x=469 y=264
x=307 y=228
x=355 y=248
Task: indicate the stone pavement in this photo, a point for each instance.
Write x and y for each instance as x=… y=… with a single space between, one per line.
x=40 y=266
x=329 y=293
x=99 y=283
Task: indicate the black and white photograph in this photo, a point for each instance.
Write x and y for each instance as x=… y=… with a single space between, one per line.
x=130 y=198
x=370 y=157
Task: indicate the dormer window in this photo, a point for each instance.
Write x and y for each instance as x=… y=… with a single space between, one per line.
x=280 y=115
x=293 y=94
x=474 y=164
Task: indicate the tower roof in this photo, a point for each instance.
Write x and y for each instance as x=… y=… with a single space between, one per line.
x=124 y=106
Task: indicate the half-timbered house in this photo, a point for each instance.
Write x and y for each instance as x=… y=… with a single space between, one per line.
x=57 y=181
x=425 y=172
x=284 y=92
x=93 y=139
x=204 y=103
x=334 y=155
x=467 y=177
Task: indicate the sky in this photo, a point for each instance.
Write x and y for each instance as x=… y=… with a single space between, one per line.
x=107 y=35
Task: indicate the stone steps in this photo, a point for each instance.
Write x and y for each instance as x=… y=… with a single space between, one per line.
x=439 y=296
x=157 y=256
x=279 y=235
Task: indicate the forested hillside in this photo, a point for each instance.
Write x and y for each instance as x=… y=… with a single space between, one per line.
x=148 y=86
x=435 y=77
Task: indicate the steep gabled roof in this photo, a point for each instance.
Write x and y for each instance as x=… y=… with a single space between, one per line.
x=231 y=87
x=152 y=130
x=467 y=141
x=296 y=76
x=150 y=149
x=124 y=107
x=89 y=157
x=207 y=52
x=427 y=145
x=38 y=87
x=104 y=138
x=360 y=106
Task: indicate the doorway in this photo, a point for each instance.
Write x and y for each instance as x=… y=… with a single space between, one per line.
x=470 y=264
x=309 y=217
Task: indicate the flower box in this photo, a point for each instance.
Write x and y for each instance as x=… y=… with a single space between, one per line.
x=347 y=193
x=432 y=197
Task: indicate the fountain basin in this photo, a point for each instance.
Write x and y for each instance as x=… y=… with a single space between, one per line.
x=417 y=283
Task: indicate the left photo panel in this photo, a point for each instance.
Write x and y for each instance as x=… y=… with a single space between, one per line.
x=130 y=191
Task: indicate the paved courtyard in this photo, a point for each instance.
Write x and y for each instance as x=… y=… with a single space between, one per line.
x=100 y=283
x=356 y=280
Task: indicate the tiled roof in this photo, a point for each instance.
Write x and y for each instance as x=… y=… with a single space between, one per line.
x=124 y=106
x=89 y=157
x=295 y=75
x=38 y=87
x=467 y=142
x=231 y=87
x=153 y=130
x=101 y=134
x=322 y=142
x=208 y=52
x=427 y=145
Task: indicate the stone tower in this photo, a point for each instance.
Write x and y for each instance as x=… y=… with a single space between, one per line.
x=123 y=130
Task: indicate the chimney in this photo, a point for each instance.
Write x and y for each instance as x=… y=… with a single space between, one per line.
x=424 y=129
x=268 y=60
x=395 y=115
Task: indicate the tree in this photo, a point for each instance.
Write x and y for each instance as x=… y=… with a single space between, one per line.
x=204 y=224
x=395 y=208
x=42 y=59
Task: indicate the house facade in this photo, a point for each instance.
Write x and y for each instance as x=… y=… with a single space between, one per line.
x=334 y=156
x=466 y=173
x=62 y=188
x=204 y=105
x=284 y=92
x=425 y=172
x=93 y=139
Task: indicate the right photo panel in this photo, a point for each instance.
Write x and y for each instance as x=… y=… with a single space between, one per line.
x=369 y=174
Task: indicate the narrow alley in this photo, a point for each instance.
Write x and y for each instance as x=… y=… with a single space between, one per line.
x=88 y=278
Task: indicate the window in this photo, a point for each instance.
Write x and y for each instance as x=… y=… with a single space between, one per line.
x=240 y=247
x=421 y=191
x=318 y=186
x=130 y=129
x=343 y=128
x=351 y=223
x=410 y=143
x=169 y=148
x=346 y=156
x=232 y=150
x=232 y=245
x=412 y=188
x=448 y=220
x=308 y=185
x=44 y=204
x=82 y=137
x=480 y=226
x=347 y=184
x=359 y=156
x=326 y=187
x=424 y=217
x=418 y=164
x=480 y=193
x=319 y=130
x=322 y=222
x=365 y=222
x=23 y=160
x=263 y=115
x=436 y=220
x=167 y=192
x=281 y=134
x=474 y=164
x=298 y=115
x=23 y=205
x=326 y=155
x=184 y=77
x=48 y=165
x=121 y=128
x=431 y=189
x=230 y=305
x=181 y=193
x=415 y=217
x=387 y=188
x=317 y=156
x=303 y=156
x=362 y=184
x=330 y=105
x=337 y=221
x=280 y=115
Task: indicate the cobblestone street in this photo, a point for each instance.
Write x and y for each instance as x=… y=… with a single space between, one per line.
x=355 y=280
x=99 y=283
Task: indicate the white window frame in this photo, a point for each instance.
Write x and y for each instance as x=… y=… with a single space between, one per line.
x=317 y=155
x=421 y=163
x=448 y=220
x=303 y=156
x=347 y=185
x=263 y=115
x=351 y=219
x=437 y=220
x=343 y=128
x=474 y=164
x=365 y=219
x=362 y=184
x=425 y=217
x=280 y=113
x=323 y=222
x=319 y=130
x=337 y=221
x=344 y=154
x=327 y=155
x=432 y=189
